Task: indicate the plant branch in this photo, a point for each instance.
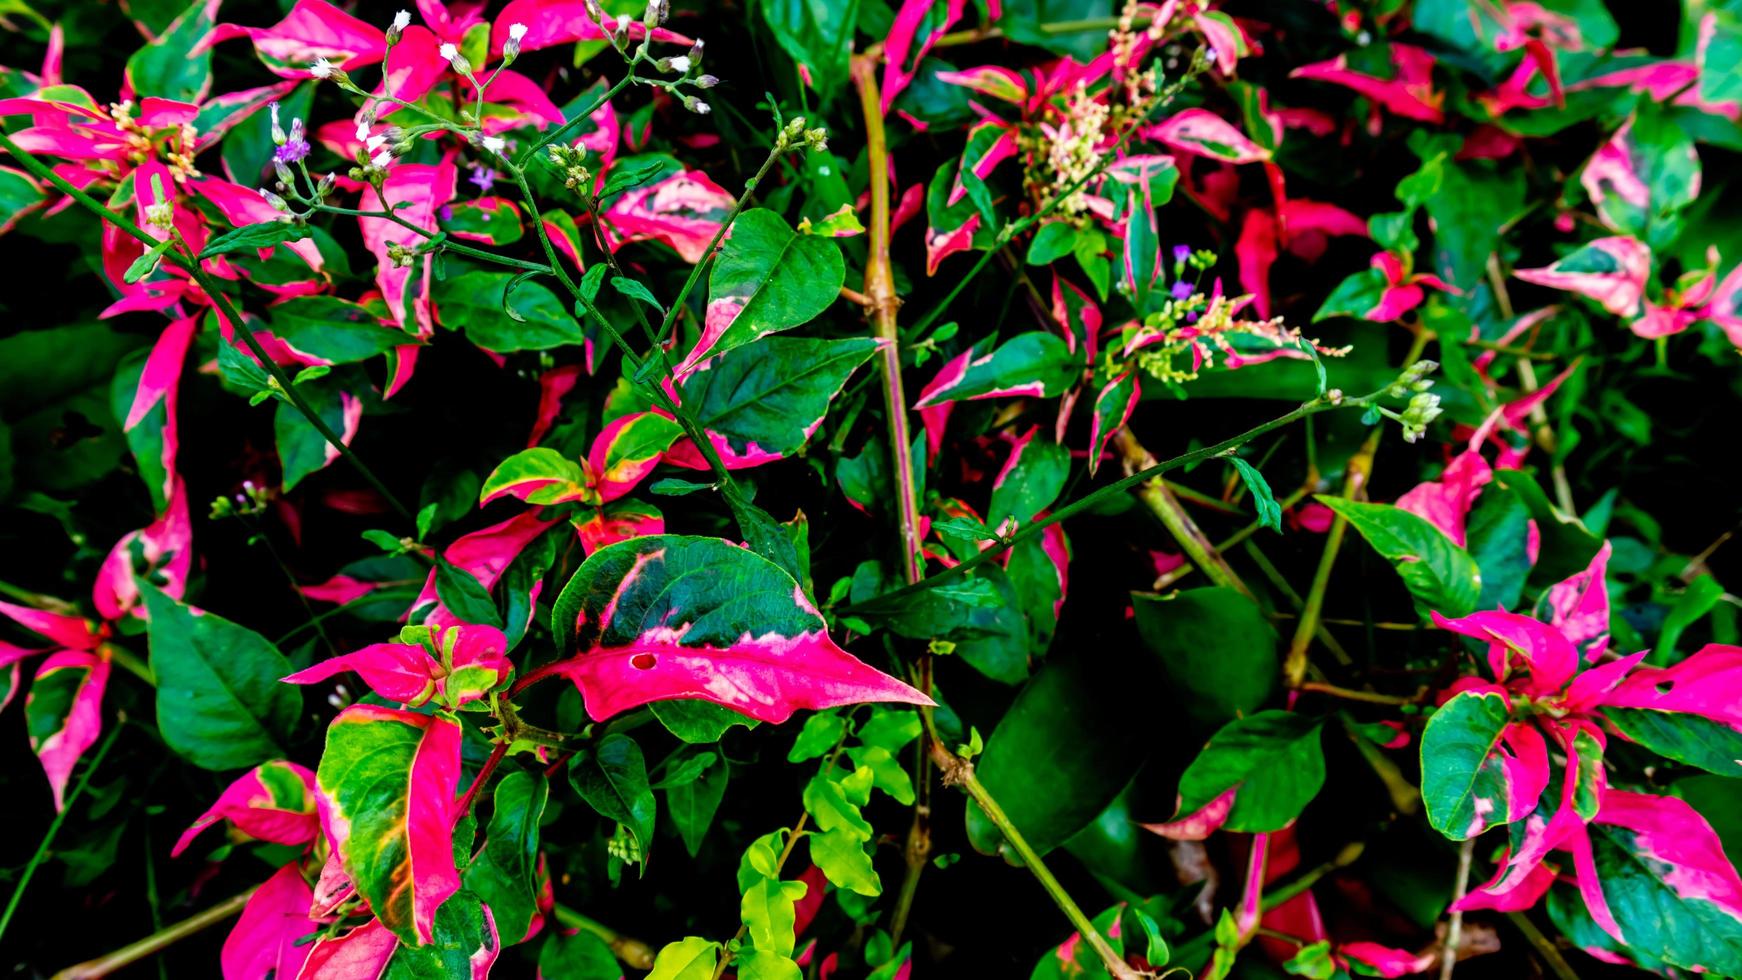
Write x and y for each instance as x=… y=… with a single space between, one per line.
x=1550 y=953
x=1166 y=507
x=1455 y=926
x=158 y=941
x=960 y=772
x=632 y=952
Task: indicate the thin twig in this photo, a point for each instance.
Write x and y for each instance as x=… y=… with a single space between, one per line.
x=42 y=848
x=1455 y=925
x=158 y=941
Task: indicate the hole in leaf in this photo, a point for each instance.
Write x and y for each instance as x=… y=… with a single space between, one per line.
x=643 y=661
x=1664 y=687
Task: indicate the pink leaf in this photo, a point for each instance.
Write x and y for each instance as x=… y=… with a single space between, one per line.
x=683 y=211
x=73 y=632
x=1202 y=132
x=485 y=555
x=1513 y=638
x=272 y=802
x=1113 y=408
x=1579 y=606
x=1611 y=271
x=900 y=57
x=67 y=722
x=265 y=940
x=166 y=547
x=1445 y=503
x=628 y=449
x=423 y=188
x=1707 y=684
x=617 y=521
x=313 y=29
x=361 y=954
x=666 y=617
x=1199 y=825
x=996 y=81
x=1409 y=92
x=398 y=672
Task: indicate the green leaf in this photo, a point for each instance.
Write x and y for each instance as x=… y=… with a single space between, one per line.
x=491 y=220
x=219 y=701
x=1263 y=501
x=1052 y=242
x=474 y=302
x=1497 y=535
x=266 y=234
x=505 y=872
x=1032 y=22
x=613 y=781
x=691 y=958
x=818 y=34
x=820 y=733
x=693 y=804
x=178 y=65
x=333 y=329
x=768 y=913
x=1030 y=484
x=1355 y=296
x=768 y=278
x=1272 y=759
x=1705 y=742
x=302 y=450
x=1464 y=785
x=768 y=396
x=1441 y=576
x=1664 y=915
x=841 y=856
x=582 y=956
x=698 y=722
x=1065 y=748
x=1036 y=364
x=1566 y=548
x=464 y=596
x=1217 y=648
x=628 y=174
x=634 y=289
x=558 y=479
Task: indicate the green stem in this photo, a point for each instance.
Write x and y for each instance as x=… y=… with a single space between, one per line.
x=1550 y=953
x=960 y=772
x=1294 y=667
x=42 y=848
x=158 y=941
x=1166 y=507
x=633 y=952
x=191 y=263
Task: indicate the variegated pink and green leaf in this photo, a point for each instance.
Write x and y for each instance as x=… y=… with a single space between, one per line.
x=491 y=220
x=768 y=278
x=627 y=450
x=1611 y=271
x=762 y=402
x=388 y=782
x=670 y=616
x=1256 y=774
x=1034 y=364
x=274 y=801
x=64 y=713
x=1113 y=407
x=1691 y=712
x=1204 y=133
x=541 y=476
x=619 y=520
x=1479 y=767
x=267 y=941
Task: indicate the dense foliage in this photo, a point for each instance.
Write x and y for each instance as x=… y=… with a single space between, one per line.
x=870 y=488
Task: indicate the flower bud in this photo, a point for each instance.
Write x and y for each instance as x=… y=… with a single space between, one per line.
x=706 y=81
x=401 y=21
x=455 y=58
x=278 y=136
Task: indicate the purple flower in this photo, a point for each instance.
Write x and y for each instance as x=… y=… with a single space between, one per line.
x=295 y=146
x=1181 y=289
x=483 y=178
x=1181 y=253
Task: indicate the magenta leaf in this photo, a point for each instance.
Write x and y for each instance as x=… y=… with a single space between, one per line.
x=1691 y=712
x=1034 y=363
x=64 y=713
x=1113 y=408
x=1612 y=271
x=669 y=616
x=1204 y=133
x=266 y=940
x=273 y=802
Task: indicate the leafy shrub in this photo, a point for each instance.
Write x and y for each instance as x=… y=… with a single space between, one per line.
x=544 y=475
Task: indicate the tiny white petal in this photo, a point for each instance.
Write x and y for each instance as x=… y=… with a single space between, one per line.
x=373 y=143
x=382 y=159
x=449 y=52
x=402 y=20
x=362 y=131
x=495 y=144
x=681 y=63
x=517 y=32
x=622 y=23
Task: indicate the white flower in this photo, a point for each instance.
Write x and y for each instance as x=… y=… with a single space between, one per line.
x=680 y=64
x=382 y=159
x=322 y=68
x=362 y=131
x=622 y=23
x=401 y=20
x=517 y=32
x=495 y=144
x=278 y=136
x=449 y=52
x=373 y=143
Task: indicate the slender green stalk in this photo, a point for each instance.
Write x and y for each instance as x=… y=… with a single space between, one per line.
x=633 y=952
x=191 y=262
x=1294 y=666
x=960 y=772
x=1166 y=507
x=1551 y=954
x=42 y=848
x=158 y=941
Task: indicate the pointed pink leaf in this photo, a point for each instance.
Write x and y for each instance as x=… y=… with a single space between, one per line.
x=64 y=712
x=398 y=672
x=683 y=211
x=361 y=954
x=1204 y=133
x=166 y=547
x=666 y=617
x=273 y=802
x=1445 y=503
x=1579 y=606
x=1516 y=640
x=265 y=940
x=1113 y=408
x=423 y=189
x=1611 y=271
x=1200 y=824
x=1408 y=92
x=485 y=554
x=901 y=56
x=73 y=632
x=313 y=29
x=996 y=81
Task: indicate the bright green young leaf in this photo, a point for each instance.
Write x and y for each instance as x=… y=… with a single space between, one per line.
x=691 y=958
x=768 y=278
x=1442 y=576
